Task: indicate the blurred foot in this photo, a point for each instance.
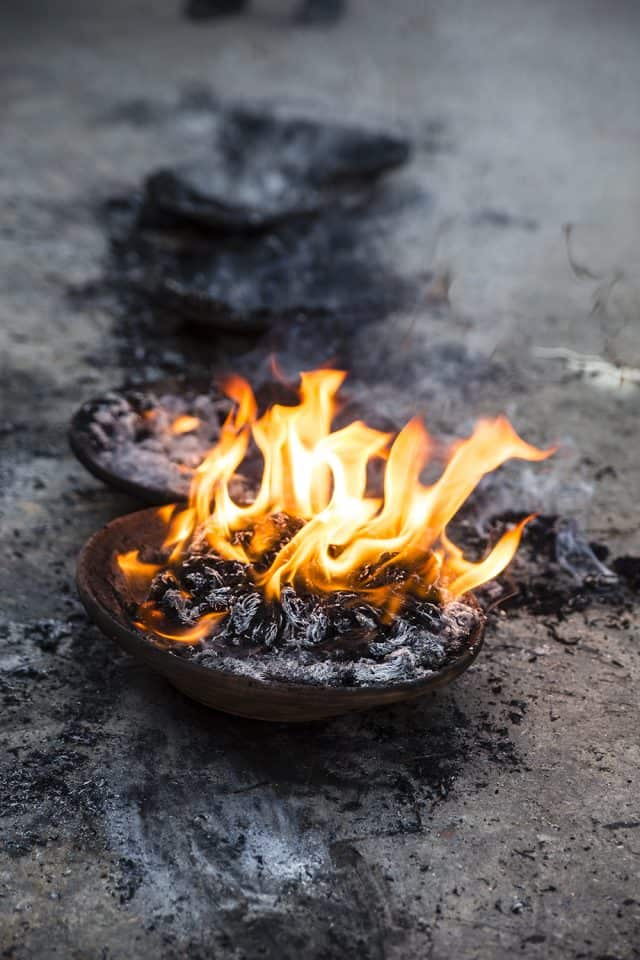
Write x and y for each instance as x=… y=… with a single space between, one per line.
x=208 y=9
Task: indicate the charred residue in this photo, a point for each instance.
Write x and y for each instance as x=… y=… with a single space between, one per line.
x=559 y=571
x=334 y=639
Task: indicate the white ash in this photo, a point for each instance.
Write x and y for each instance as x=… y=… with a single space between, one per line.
x=411 y=655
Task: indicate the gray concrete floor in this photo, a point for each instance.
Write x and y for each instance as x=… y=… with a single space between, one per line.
x=500 y=819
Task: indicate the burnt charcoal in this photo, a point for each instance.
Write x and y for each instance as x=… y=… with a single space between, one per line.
x=382 y=648
x=295 y=608
x=200 y=578
x=246 y=611
x=287 y=529
x=270 y=169
x=198 y=582
x=317 y=626
x=219 y=599
x=209 y=578
x=234 y=573
x=423 y=613
x=177 y=608
x=367 y=616
x=270 y=625
x=336 y=637
x=337 y=623
x=254 y=622
x=163 y=581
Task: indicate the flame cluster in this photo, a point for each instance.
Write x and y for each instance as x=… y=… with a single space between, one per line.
x=347 y=537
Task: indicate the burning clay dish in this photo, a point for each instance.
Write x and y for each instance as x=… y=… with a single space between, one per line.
x=244 y=679
x=321 y=594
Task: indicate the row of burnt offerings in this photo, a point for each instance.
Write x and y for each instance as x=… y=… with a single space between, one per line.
x=261 y=227
x=225 y=598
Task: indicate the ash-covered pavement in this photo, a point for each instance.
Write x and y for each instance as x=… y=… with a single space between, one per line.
x=498 y=818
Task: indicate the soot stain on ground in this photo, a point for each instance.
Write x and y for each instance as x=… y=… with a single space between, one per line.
x=54 y=790
x=250 y=800
x=254 y=800
x=290 y=804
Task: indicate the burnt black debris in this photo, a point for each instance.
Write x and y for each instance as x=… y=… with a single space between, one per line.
x=338 y=638
x=269 y=169
x=278 y=225
x=628 y=569
x=555 y=571
x=307 y=13
x=302 y=271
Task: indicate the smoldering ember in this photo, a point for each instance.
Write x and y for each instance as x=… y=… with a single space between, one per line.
x=321 y=400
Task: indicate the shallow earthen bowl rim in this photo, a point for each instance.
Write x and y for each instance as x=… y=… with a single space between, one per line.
x=104 y=594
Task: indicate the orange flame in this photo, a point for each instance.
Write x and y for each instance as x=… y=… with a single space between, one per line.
x=136 y=572
x=152 y=621
x=349 y=537
x=185 y=424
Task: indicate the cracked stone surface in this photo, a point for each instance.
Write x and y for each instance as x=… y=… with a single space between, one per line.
x=498 y=818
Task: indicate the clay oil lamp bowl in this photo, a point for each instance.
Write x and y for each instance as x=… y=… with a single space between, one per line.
x=107 y=597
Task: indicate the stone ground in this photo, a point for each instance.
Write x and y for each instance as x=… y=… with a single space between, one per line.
x=499 y=818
